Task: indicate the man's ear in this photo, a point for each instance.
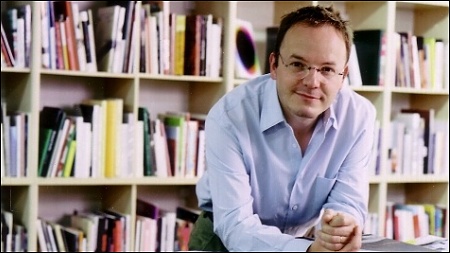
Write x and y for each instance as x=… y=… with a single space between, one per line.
x=273 y=65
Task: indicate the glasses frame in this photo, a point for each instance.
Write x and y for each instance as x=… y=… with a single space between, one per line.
x=308 y=69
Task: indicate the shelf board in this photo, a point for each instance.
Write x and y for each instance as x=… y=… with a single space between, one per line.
x=98 y=74
x=181 y=78
x=417 y=179
x=12 y=181
x=171 y=181
x=15 y=70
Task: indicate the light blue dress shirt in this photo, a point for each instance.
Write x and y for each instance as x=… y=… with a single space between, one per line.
x=265 y=192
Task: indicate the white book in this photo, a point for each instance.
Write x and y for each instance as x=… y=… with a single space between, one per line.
x=6 y=143
x=2 y=154
x=171 y=220
x=89 y=228
x=413 y=144
x=20 y=144
x=153 y=45
x=415 y=63
x=82 y=153
x=216 y=47
x=139 y=152
x=106 y=31
x=161 y=150
x=133 y=37
x=201 y=153
x=354 y=73
x=42 y=245
x=79 y=37
x=56 y=155
x=51 y=236
x=96 y=141
x=45 y=35
x=12 y=172
x=20 y=56
x=94 y=66
x=137 y=235
x=59 y=237
x=191 y=148
x=209 y=44
x=51 y=36
x=25 y=14
x=120 y=43
x=439 y=59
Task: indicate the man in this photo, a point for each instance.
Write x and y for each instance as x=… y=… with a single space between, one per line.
x=289 y=151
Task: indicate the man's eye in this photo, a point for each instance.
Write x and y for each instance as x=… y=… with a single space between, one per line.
x=327 y=70
x=298 y=65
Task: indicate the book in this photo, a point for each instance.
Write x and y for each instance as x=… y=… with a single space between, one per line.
x=83 y=137
x=369 y=49
x=185 y=220
x=144 y=116
x=428 y=118
x=192 y=45
x=180 y=32
x=114 y=117
x=64 y=10
x=118 y=60
x=24 y=12
x=105 y=27
x=89 y=40
x=91 y=114
x=60 y=141
x=413 y=143
x=51 y=121
x=60 y=239
x=126 y=30
x=163 y=163
x=6 y=49
x=42 y=244
x=88 y=226
x=79 y=37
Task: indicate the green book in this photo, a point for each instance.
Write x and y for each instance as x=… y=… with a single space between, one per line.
x=144 y=116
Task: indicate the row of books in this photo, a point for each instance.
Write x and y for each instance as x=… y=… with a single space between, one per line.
x=16 y=37
x=419 y=60
x=99 y=231
x=179 y=44
x=98 y=138
x=419 y=143
x=14 y=235
x=14 y=142
x=156 y=230
x=103 y=40
x=409 y=222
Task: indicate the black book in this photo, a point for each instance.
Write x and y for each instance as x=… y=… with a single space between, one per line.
x=126 y=29
x=51 y=121
x=271 y=39
x=144 y=116
x=369 y=48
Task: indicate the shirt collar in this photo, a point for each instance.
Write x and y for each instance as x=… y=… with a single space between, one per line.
x=272 y=113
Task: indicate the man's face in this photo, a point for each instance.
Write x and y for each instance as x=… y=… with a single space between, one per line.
x=317 y=47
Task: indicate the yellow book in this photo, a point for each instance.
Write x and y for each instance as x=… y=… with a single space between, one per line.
x=70 y=158
x=114 y=115
x=180 y=30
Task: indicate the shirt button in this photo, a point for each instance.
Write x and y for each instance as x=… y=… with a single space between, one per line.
x=295 y=207
x=294 y=145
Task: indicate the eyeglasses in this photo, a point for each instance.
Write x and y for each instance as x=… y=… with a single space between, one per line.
x=302 y=70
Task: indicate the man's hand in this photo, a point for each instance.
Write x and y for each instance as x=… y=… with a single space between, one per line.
x=339 y=232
